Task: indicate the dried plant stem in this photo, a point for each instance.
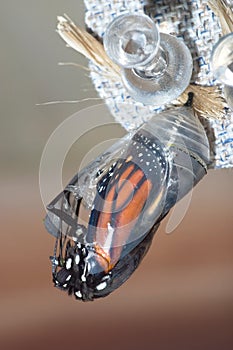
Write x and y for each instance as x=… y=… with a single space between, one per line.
x=87 y=45
x=207 y=101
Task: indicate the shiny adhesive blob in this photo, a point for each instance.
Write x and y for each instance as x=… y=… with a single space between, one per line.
x=106 y=217
x=131 y=40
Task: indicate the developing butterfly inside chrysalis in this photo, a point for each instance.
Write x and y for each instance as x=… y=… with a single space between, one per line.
x=106 y=217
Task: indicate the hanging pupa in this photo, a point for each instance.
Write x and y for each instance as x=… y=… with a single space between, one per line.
x=105 y=219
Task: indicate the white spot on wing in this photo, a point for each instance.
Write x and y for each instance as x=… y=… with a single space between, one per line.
x=77 y=259
x=83 y=278
x=68 y=263
x=78 y=294
x=101 y=286
x=68 y=278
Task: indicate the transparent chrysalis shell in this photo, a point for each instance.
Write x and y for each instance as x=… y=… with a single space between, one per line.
x=106 y=217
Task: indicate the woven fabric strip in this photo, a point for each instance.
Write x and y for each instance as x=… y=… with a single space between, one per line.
x=200 y=29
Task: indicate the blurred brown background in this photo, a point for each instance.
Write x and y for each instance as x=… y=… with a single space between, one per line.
x=182 y=295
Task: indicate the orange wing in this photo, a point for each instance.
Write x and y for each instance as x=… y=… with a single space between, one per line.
x=123 y=201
